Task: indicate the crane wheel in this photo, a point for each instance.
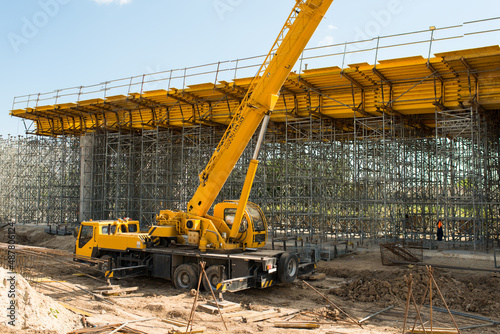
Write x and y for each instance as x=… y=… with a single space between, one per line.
x=288 y=267
x=185 y=277
x=104 y=267
x=213 y=274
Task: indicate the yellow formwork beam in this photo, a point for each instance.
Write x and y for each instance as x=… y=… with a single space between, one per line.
x=405 y=86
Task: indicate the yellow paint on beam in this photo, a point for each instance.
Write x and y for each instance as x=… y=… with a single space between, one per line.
x=335 y=95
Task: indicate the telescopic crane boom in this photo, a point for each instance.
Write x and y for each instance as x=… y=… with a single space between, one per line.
x=239 y=224
x=260 y=100
x=124 y=251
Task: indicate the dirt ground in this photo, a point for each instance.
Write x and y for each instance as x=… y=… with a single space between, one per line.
x=356 y=283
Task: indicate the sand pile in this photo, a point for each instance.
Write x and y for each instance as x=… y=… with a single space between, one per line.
x=34 y=310
x=466 y=294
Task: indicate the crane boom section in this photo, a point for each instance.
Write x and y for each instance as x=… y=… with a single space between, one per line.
x=259 y=100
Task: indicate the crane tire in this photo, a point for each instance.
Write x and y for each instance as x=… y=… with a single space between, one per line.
x=213 y=274
x=197 y=272
x=104 y=266
x=185 y=277
x=288 y=267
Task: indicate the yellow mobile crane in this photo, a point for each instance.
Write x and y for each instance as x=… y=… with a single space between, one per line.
x=172 y=247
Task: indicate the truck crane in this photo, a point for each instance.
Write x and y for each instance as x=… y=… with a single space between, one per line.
x=228 y=239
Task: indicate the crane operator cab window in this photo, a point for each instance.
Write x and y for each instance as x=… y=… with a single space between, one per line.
x=132 y=228
x=257 y=217
x=86 y=234
x=229 y=215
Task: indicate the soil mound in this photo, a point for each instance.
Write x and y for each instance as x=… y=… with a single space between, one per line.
x=34 y=311
x=471 y=294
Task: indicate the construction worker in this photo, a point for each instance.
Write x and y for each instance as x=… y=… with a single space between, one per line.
x=440 y=231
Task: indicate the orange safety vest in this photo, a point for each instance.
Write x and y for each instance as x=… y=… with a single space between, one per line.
x=440 y=225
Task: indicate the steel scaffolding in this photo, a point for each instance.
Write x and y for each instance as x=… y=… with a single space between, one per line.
x=40 y=180
x=316 y=181
x=360 y=153
x=319 y=182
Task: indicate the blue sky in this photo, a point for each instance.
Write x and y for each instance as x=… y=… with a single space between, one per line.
x=52 y=44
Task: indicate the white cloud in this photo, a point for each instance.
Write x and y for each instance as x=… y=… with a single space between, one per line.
x=107 y=2
x=332 y=27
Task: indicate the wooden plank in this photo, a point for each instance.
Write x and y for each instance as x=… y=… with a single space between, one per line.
x=97 y=329
x=126 y=329
x=119 y=292
x=185 y=330
x=177 y=323
x=214 y=310
x=130 y=330
x=224 y=304
x=182 y=326
x=76 y=310
x=434 y=330
x=299 y=325
x=208 y=308
x=107 y=287
x=48 y=280
x=135 y=331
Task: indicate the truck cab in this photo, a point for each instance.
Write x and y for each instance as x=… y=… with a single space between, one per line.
x=94 y=238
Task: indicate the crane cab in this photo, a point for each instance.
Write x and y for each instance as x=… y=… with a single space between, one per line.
x=213 y=232
x=253 y=228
